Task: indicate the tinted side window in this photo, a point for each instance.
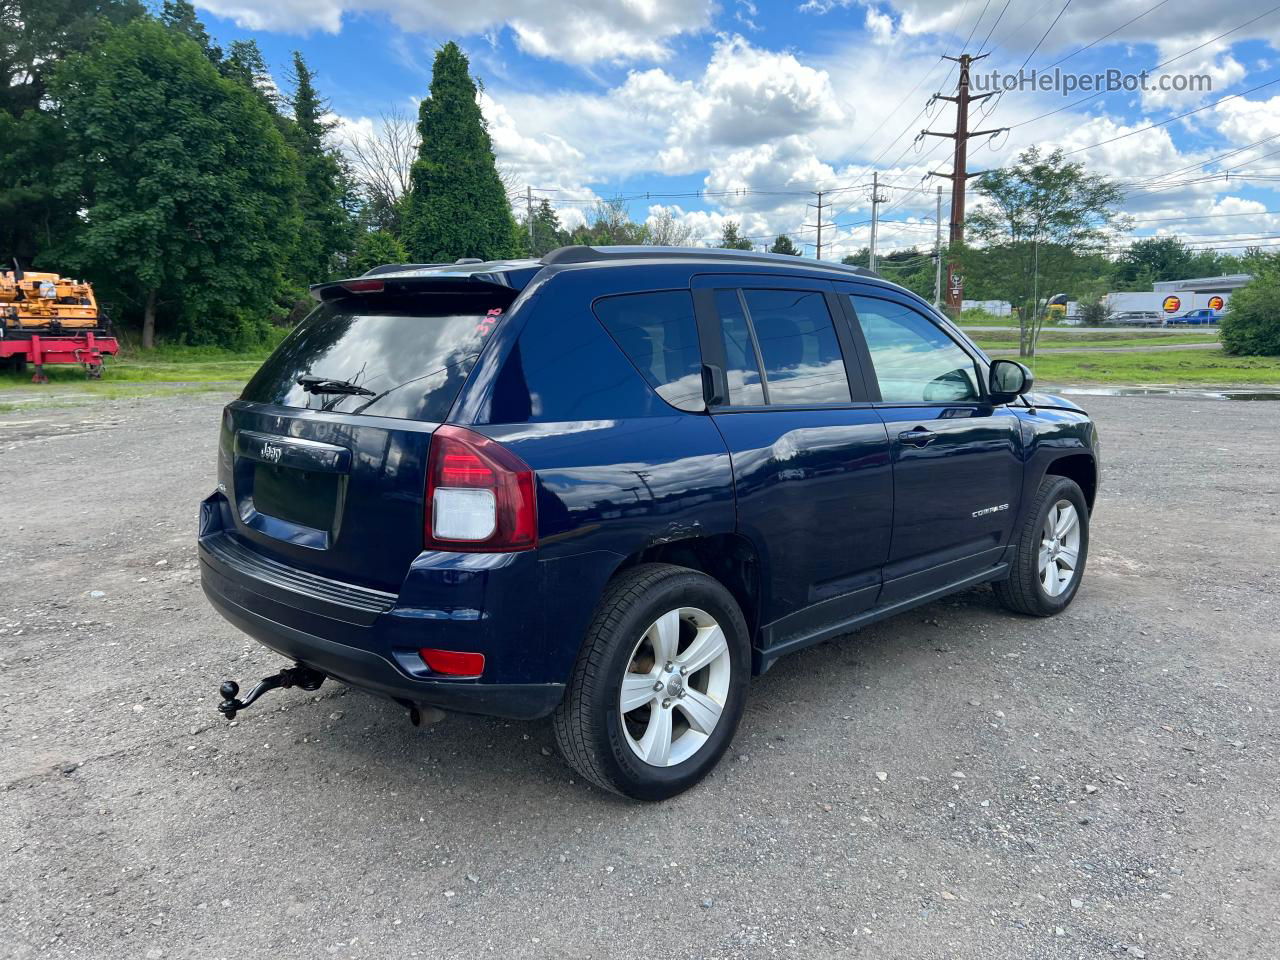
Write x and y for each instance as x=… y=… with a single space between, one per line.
x=915 y=361
x=658 y=333
x=798 y=346
x=741 y=360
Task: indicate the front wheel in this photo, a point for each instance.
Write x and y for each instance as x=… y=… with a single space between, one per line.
x=1050 y=552
x=659 y=685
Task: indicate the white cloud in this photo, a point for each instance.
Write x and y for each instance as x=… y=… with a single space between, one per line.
x=576 y=31
x=1084 y=22
x=879 y=25
x=1204 y=72
x=1244 y=121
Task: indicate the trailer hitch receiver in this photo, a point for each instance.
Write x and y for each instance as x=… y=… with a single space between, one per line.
x=299 y=676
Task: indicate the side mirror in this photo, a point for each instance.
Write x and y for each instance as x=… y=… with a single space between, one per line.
x=1009 y=380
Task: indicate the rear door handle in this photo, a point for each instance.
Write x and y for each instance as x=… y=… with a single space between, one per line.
x=919 y=437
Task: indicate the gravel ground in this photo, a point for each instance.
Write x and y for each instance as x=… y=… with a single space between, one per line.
x=955 y=783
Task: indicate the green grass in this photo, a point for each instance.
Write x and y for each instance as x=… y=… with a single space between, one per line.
x=1002 y=340
x=1194 y=367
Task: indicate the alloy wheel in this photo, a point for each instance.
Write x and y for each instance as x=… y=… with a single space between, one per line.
x=675 y=687
x=1059 y=548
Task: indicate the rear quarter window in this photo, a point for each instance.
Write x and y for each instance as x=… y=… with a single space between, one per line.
x=659 y=335
x=413 y=353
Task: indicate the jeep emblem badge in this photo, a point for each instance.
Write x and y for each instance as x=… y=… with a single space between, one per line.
x=271 y=453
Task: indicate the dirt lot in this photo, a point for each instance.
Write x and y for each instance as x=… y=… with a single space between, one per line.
x=956 y=783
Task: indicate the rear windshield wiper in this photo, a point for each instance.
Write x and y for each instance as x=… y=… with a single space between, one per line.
x=314 y=384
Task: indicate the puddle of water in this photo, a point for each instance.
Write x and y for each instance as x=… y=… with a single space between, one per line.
x=1174 y=392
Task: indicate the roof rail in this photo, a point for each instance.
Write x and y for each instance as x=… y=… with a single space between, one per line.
x=586 y=254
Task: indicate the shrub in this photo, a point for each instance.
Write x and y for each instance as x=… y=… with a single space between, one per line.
x=1094 y=313
x=1251 y=324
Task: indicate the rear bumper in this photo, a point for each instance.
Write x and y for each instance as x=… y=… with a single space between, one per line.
x=369 y=639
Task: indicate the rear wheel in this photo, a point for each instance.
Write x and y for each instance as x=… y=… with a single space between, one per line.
x=1050 y=553
x=659 y=685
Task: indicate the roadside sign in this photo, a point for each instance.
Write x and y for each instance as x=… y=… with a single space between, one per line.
x=1215 y=303
x=1172 y=304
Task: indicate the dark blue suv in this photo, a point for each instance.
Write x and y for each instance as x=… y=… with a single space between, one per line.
x=610 y=485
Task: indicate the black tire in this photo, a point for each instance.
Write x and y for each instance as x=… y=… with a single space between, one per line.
x=588 y=724
x=1024 y=592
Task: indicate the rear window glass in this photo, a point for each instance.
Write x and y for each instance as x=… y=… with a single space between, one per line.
x=408 y=356
x=658 y=334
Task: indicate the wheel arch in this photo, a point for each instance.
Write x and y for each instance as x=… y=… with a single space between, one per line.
x=1080 y=467
x=728 y=558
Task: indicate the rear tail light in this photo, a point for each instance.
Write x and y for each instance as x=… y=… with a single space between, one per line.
x=480 y=495
x=453 y=663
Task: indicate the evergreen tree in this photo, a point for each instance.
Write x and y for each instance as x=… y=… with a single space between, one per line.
x=783 y=244
x=188 y=191
x=547 y=232
x=326 y=225
x=729 y=239
x=180 y=16
x=244 y=63
x=457 y=205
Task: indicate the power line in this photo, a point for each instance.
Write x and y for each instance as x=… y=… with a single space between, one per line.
x=1162 y=123
x=1094 y=43
x=1158 y=66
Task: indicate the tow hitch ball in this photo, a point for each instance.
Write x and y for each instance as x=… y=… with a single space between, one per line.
x=299 y=676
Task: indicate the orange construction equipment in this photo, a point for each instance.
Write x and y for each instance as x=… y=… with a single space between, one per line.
x=46 y=318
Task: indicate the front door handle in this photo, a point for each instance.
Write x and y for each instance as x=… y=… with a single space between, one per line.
x=919 y=437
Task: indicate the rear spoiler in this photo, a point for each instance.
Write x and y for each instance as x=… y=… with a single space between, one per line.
x=432 y=282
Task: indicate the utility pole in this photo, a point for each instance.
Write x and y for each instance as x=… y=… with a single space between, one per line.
x=528 y=200
x=959 y=175
x=821 y=206
x=937 y=254
x=876 y=200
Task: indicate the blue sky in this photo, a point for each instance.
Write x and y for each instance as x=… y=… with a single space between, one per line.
x=759 y=104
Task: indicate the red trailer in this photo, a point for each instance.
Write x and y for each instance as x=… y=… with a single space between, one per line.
x=21 y=348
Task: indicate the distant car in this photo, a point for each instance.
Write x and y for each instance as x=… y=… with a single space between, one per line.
x=1193 y=318
x=1134 y=318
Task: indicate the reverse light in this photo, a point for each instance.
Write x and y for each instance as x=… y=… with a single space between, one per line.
x=453 y=663
x=479 y=497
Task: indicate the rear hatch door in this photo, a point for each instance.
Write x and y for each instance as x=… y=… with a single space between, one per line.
x=323 y=458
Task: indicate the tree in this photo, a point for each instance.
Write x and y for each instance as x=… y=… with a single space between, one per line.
x=1251 y=324
x=180 y=17
x=783 y=244
x=909 y=267
x=666 y=231
x=609 y=224
x=547 y=232
x=35 y=37
x=457 y=206
x=1038 y=217
x=381 y=162
x=729 y=239
x=1153 y=259
x=244 y=63
x=188 y=191
x=326 y=227
x=375 y=248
